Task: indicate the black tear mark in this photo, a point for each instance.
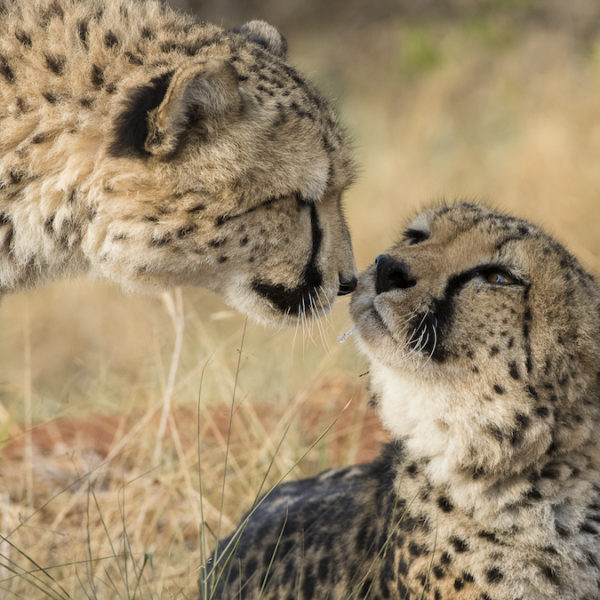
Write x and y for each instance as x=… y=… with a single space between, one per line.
x=297 y=299
x=131 y=126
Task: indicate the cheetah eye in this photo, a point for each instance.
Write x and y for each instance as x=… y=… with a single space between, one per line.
x=415 y=236
x=499 y=278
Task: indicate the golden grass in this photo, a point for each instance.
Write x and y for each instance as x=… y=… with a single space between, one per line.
x=89 y=508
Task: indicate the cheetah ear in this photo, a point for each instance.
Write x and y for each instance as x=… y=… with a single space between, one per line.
x=155 y=116
x=204 y=90
x=265 y=35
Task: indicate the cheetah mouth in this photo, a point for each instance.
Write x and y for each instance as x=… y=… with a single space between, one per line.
x=303 y=298
x=416 y=335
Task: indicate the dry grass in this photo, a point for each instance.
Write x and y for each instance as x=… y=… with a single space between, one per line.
x=89 y=508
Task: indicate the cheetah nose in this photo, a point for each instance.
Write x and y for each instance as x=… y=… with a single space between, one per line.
x=391 y=274
x=347 y=285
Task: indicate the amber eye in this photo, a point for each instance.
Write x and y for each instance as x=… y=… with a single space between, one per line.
x=499 y=278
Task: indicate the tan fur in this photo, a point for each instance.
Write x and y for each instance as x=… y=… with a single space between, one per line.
x=215 y=191
x=491 y=390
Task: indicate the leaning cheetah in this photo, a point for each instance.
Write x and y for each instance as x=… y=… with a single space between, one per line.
x=154 y=150
x=484 y=340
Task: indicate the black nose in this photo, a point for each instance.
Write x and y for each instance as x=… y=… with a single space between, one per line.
x=391 y=274
x=347 y=285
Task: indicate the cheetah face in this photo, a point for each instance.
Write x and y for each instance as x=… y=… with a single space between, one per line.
x=479 y=324
x=238 y=168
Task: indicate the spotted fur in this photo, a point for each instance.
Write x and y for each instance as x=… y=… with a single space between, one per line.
x=484 y=340
x=156 y=150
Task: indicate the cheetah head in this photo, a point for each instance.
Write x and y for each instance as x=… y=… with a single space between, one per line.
x=225 y=169
x=484 y=340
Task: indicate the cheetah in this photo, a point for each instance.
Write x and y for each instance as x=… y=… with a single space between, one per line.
x=483 y=335
x=154 y=150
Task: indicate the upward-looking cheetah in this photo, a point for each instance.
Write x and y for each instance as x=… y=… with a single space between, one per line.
x=156 y=150
x=484 y=340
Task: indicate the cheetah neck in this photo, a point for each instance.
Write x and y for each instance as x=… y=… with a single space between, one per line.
x=449 y=454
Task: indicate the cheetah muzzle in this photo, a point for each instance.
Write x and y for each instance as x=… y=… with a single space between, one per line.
x=155 y=150
x=483 y=335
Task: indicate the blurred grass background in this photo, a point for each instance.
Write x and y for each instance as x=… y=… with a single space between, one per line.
x=494 y=101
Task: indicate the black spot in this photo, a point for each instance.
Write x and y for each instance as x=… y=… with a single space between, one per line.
x=183 y=231
x=196 y=209
x=110 y=39
x=468 y=577
x=412 y=469
x=438 y=572
x=495 y=432
x=97 y=76
x=550 y=472
x=490 y=536
x=15 y=177
x=588 y=528
x=6 y=70
x=533 y=494
x=82 y=32
x=56 y=64
x=147 y=34
x=494 y=350
x=494 y=575
x=445 y=558
x=244 y=240
x=222 y=259
x=133 y=59
x=131 y=126
x=522 y=420
x=459 y=584
x=513 y=371
x=23 y=38
x=51 y=98
x=39 y=138
x=551 y=575
x=217 y=243
x=445 y=504
x=498 y=389
x=532 y=392
x=542 y=411
x=86 y=102
x=416 y=549
x=459 y=544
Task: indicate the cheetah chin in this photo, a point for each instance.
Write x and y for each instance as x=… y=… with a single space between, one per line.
x=155 y=150
x=483 y=335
